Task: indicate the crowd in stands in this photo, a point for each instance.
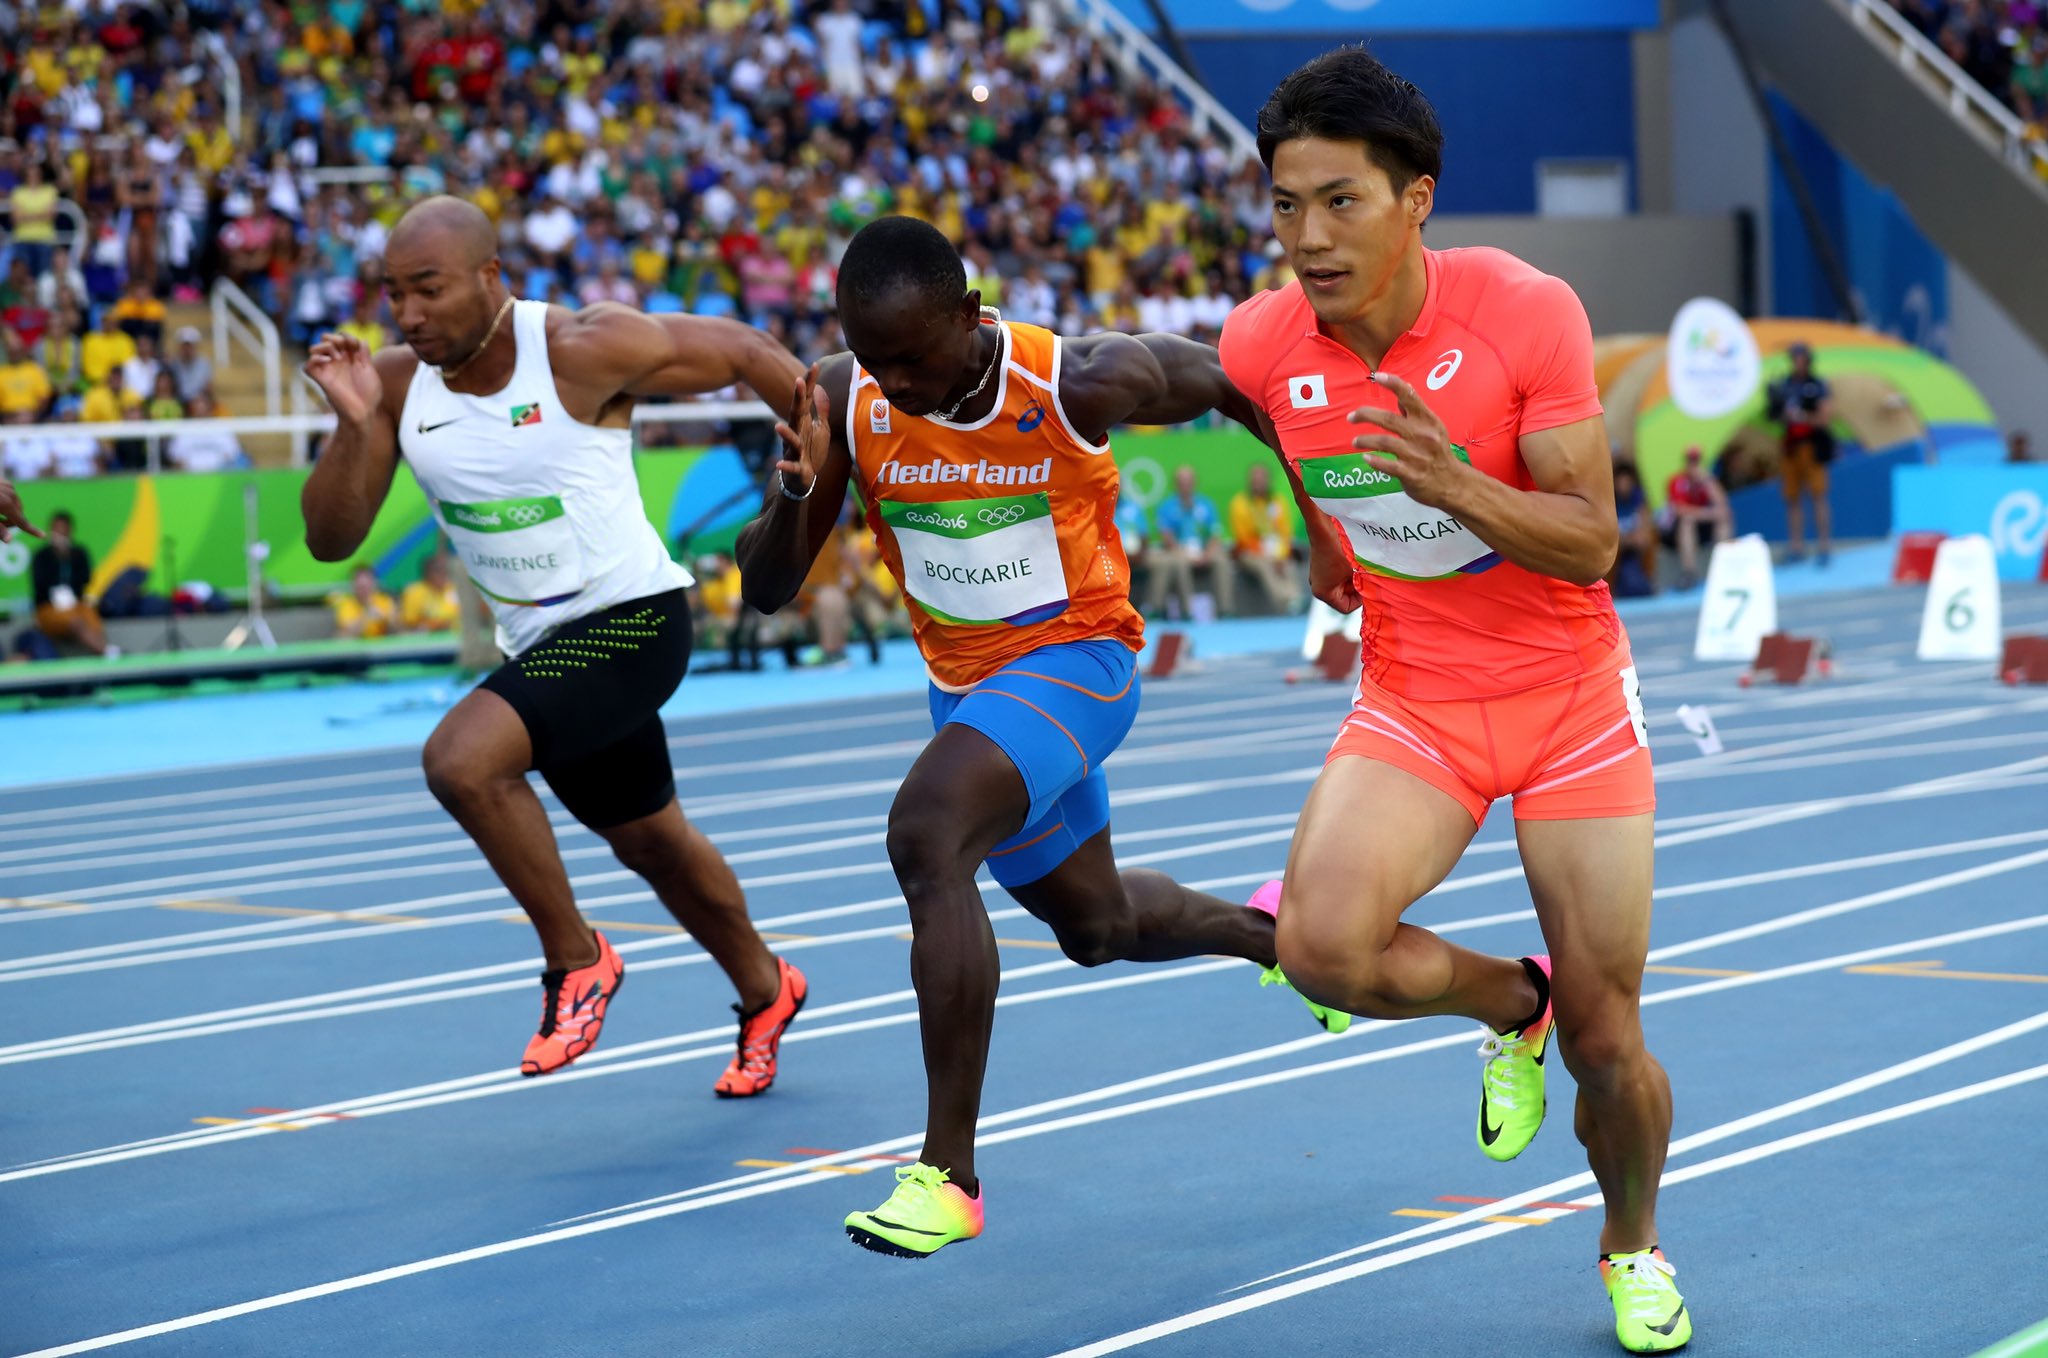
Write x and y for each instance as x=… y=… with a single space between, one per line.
x=365 y=609
x=2001 y=44
x=675 y=154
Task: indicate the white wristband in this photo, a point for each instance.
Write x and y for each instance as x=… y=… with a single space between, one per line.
x=782 y=484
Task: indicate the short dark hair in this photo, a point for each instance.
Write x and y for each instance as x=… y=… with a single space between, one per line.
x=1350 y=95
x=892 y=253
x=63 y=516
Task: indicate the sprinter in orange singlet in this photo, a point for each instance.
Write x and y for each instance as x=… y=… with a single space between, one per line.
x=1436 y=413
x=980 y=448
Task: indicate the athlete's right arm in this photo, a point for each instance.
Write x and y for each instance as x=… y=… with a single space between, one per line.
x=801 y=507
x=349 y=482
x=1330 y=572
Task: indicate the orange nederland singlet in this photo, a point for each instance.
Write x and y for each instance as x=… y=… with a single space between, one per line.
x=1498 y=351
x=1002 y=532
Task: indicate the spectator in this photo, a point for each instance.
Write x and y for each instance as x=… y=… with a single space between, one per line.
x=198 y=448
x=163 y=402
x=363 y=609
x=19 y=309
x=191 y=368
x=59 y=353
x=60 y=577
x=24 y=457
x=140 y=313
x=250 y=241
x=140 y=192
x=139 y=374
x=1634 y=572
x=1800 y=404
x=1190 y=538
x=1262 y=537
x=430 y=604
x=2017 y=447
x=32 y=213
x=1693 y=498
x=24 y=387
x=75 y=453
x=61 y=282
x=104 y=350
x=365 y=325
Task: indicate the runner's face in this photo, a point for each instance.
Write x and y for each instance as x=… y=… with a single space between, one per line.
x=441 y=310
x=1344 y=228
x=921 y=355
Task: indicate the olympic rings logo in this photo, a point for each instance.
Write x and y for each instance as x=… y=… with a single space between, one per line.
x=526 y=515
x=997 y=517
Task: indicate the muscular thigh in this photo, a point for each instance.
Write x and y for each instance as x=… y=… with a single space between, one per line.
x=1372 y=840
x=1591 y=882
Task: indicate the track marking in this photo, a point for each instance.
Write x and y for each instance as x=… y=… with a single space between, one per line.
x=1934 y=971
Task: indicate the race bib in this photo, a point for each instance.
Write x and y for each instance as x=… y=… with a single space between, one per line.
x=981 y=562
x=1390 y=533
x=521 y=552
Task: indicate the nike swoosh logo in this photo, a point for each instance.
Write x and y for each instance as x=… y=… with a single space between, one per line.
x=1488 y=1131
x=899 y=1226
x=426 y=428
x=588 y=998
x=1670 y=1325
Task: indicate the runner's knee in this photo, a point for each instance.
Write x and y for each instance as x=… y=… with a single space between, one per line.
x=1600 y=1037
x=924 y=844
x=1094 y=941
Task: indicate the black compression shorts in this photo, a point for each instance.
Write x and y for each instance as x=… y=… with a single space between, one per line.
x=590 y=694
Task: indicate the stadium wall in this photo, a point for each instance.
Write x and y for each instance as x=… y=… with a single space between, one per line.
x=1633 y=273
x=1496 y=95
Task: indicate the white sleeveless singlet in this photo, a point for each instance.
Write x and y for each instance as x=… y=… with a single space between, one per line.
x=544 y=509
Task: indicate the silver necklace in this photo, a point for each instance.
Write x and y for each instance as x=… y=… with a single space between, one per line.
x=995 y=360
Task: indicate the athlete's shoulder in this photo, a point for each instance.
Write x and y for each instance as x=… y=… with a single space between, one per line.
x=1254 y=334
x=835 y=375
x=1479 y=278
x=395 y=365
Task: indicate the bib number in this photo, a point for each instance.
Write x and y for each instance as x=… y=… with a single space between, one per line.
x=519 y=552
x=981 y=563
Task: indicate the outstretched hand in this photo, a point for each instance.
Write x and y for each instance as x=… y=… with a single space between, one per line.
x=811 y=439
x=340 y=365
x=13 y=516
x=1414 y=448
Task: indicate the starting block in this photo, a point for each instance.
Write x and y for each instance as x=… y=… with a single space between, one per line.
x=1914 y=563
x=1167 y=653
x=1789 y=659
x=2025 y=661
x=1336 y=660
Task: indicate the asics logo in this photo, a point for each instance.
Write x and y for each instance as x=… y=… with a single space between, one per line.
x=1001 y=515
x=1446 y=368
x=526 y=514
x=1033 y=416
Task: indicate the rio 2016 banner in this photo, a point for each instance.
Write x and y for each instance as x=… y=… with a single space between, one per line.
x=183 y=528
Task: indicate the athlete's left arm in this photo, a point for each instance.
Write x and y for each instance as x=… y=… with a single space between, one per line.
x=1565 y=527
x=1112 y=379
x=611 y=350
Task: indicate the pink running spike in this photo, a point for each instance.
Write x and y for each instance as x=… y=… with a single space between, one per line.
x=1267 y=898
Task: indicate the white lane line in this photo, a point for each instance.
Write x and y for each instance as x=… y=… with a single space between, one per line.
x=1209 y=1315
x=799 y=1175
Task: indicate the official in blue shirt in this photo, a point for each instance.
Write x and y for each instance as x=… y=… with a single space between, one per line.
x=1191 y=538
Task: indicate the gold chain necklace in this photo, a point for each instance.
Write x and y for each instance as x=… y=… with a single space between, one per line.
x=489 y=335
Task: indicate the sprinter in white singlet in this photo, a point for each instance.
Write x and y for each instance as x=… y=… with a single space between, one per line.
x=515 y=419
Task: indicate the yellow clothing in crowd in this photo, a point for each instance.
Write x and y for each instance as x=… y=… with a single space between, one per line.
x=1261 y=527
x=100 y=353
x=423 y=608
x=24 y=388
x=352 y=618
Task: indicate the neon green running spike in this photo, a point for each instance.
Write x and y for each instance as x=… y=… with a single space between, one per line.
x=1649 y=1314
x=927 y=1212
x=1333 y=1020
x=1512 y=1100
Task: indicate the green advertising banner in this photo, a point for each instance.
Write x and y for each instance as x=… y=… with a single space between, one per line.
x=187 y=527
